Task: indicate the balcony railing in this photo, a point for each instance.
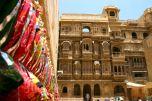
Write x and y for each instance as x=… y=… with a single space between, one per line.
x=119 y=75
x=118 y=56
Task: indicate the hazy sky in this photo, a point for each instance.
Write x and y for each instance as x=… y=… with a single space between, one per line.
x=129 y=9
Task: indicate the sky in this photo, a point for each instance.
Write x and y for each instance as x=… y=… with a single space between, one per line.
x=129 y=9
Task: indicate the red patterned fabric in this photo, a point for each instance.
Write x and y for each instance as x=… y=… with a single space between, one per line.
x=27 y=38
x=28 y=91
x=21 y=18
x=31 y=54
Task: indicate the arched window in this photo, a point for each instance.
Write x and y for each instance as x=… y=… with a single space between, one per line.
x=105 y=45
x=145 y=35
x=124 y=35
x=115 y=68
x=87 y=92
x=112 y=13
x=86 y=29
x=135 y=60
x=96 y=90
x=134 y=35
x=119 y=90
x=104 y=30
x=116 y=50
x=77 y=90
x=66 y=45
x=64 y=90
x=87 y=45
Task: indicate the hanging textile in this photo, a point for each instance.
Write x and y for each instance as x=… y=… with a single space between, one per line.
x=10 y=78
x=23 y=38
x=29 y=33
x=7 y=23
x=21 y=18
x=28 y=91
x=27 y=61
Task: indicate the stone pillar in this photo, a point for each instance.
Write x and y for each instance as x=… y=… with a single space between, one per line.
x=121 y=71
x=81 y=90
x=92 y=90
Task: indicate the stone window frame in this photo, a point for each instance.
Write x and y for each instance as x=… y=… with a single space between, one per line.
x=87 y=45
x=134 y=35
x=112 y=13
x=145 y=35
x=66 y=46
x=105 y=45
x=116 y=50
x=86 y=29
x=118 y=69
x=65 y=90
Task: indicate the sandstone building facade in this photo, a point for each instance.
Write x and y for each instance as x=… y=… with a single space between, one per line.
x=98 y=53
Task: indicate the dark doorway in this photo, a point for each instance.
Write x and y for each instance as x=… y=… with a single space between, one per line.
x=87 y=92
x=119 y=91
x=77 y=90
x=96 y=90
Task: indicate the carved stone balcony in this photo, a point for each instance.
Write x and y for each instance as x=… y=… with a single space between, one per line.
x=118 y=56
x=97 y=74
x=106 y=75
x=77 y=74
x=87 y=76
x=119 y=76
x=87 y=54
x=87 y=34
x=65 y=76
x=67 y=54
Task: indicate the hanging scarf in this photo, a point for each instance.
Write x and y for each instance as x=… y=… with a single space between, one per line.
x=7 y=25
x=41 y=71
x=27 y=61
x=26 y=38
x=13 y=49
x=22 y=16
x=50 y=78
x=28 y=91
x=36 y=59
x=46 y=74
x=40 y=68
